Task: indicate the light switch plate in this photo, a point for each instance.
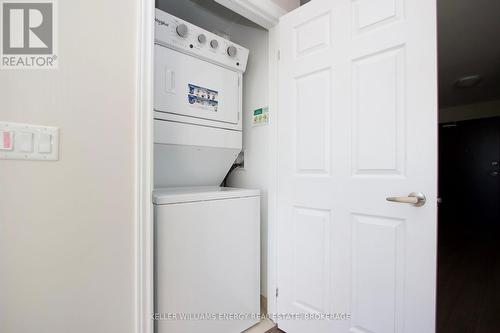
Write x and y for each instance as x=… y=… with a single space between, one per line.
x=31 y=142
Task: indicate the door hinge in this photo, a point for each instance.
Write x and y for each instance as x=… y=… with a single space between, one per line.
x=279 y=55
x=277 y=292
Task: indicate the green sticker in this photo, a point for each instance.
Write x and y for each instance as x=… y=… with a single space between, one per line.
x=260 y=116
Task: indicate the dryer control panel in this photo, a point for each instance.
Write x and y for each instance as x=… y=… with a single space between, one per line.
x=185 y=37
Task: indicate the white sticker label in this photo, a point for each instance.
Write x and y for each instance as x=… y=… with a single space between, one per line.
x=204 y=98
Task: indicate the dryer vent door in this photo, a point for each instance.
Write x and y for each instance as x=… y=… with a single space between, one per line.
x=188 y=86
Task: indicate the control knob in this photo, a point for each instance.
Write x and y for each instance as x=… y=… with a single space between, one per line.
x=214 y=43
x=231 y=51
x=202 y=38
x=182 y=30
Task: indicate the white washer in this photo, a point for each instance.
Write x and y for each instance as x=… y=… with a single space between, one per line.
x=207 y=257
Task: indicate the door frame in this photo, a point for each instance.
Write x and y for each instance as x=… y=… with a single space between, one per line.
x=272 y=218
x=144 y=140
x=144 y=288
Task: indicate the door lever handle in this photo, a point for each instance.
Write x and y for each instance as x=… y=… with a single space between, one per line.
x=416 y=199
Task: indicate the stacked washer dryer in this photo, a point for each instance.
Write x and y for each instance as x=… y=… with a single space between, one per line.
x=206 y=237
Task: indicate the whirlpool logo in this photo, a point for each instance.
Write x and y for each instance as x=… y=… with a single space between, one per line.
x=28 y=35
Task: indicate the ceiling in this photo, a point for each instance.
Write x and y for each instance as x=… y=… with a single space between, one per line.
x=208 y=15
x=469 y=44
x=212 y=16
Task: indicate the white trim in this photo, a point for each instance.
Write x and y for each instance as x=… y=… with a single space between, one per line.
x=263 y=12
x=144 y=291
x=272 y=246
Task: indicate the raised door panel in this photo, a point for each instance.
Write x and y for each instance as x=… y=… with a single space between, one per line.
x=379 y=113
x=311 y=259
x=377 y=273
x=312 y=117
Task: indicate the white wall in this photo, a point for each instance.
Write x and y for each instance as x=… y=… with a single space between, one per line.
x=470 y=111
x=66 y=227
x=255 y=139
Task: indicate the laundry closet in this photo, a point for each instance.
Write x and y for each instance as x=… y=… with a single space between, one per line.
x=211 y=166
x=337 y=122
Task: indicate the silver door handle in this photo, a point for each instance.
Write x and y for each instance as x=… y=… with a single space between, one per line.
x=416 y=199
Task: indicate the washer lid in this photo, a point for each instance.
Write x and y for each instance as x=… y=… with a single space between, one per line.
x=172 y=195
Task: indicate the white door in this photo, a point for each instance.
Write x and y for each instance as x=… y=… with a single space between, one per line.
x=357 y=124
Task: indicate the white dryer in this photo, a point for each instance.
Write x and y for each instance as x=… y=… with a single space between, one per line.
x=197 y=103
